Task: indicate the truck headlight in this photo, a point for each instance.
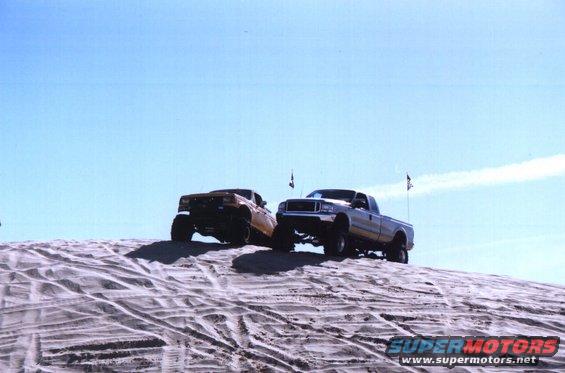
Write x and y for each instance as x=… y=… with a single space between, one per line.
x=229 y=199
x=282 y=206
x=327 y=207
x=184 y=204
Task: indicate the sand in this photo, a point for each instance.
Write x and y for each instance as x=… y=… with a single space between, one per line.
x=162 y=306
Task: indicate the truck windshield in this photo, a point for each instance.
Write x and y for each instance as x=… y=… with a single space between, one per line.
x=344 y=195
x=246 y=193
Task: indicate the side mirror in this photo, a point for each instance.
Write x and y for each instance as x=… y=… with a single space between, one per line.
x=263 y=203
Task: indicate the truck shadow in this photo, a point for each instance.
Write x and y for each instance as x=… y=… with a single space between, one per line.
x=168 y=252
x=267 y=262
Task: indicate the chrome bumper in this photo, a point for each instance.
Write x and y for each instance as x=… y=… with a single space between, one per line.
x=322 y=217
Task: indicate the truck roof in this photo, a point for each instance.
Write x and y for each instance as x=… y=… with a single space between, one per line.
x=246 y=193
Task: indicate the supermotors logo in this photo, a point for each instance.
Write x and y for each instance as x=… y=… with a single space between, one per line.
x=483 y=351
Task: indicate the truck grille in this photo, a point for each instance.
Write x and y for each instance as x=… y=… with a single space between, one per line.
x=305 y=206
x=202 y=203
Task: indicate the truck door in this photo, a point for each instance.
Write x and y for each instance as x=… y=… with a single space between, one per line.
x=263 y=222
x=388 y=228
x=361 y=218
x=376 y=219
x=270 y=221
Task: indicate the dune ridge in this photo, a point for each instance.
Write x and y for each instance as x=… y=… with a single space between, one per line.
x=148 y=305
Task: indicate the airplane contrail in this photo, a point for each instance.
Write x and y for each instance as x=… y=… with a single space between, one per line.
x=535 y=169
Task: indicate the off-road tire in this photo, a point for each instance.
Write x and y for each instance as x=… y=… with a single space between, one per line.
x=397 y=251
x=336 y=243
x=182 y=228
x=283 y=238
x=240 y=232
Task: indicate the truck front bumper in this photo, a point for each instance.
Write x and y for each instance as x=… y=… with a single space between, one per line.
x=212 y=221
x=308 y=223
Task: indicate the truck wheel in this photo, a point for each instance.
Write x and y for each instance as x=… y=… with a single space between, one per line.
x=182 y=228
x=336 y=243
x=240 y=232
x=283 y=238
x=397 y=252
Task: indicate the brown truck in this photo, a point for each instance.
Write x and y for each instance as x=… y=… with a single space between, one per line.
x=237 y=216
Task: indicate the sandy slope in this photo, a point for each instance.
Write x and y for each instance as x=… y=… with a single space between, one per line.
x=70 y=305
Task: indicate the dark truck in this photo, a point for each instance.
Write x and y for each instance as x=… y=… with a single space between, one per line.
x=343 y=221
x=237 y=216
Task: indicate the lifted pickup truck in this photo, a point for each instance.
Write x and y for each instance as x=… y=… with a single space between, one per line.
x=237 y=216
x=342 y=221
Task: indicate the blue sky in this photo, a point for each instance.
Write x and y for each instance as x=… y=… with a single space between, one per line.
x=110 y=111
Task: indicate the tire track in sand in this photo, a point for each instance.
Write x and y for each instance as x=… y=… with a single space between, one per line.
x=27 y=352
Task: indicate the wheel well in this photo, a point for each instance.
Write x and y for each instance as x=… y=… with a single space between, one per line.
x=400 y=235
x=245 y=213
x=342 y=221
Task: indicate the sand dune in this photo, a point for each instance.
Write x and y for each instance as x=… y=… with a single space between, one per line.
x=162 y=306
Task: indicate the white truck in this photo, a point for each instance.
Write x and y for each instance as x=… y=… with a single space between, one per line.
x=342 y=221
